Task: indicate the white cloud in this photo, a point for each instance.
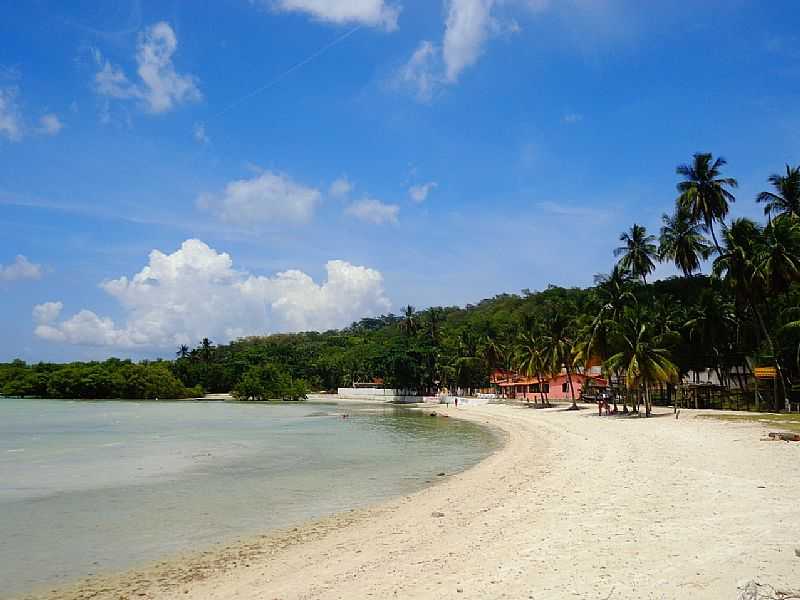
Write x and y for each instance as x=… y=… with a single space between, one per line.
x=21 y=268
x=160 y=87
x=266 y=198
x=571 y=118
x=421 y=72
x=466 y=30
x=200 y=135
x=10 y=118
x=374 y=211
x=195 y=292
x=340 y=188
x=419 y=193
x=373 y=13
x=50 y=124
x=47 y=312
x=467 y=27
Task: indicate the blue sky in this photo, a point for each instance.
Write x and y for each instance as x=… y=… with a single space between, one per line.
x=170 y=170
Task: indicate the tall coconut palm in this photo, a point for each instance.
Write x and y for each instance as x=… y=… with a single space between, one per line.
x=786 y=198
x=644 y=358
x=750 y=265
x=638 y=252
x=704 y=192
x=409 y=322
x=778 y=259
x=682 y=241
x=559 y=347
x=183 y=351
x=709 y=325
x=532 y=361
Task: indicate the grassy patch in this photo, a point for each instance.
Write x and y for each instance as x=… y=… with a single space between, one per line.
x=787 y=422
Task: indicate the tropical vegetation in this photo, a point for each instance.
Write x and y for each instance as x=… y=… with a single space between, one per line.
x=646 y=335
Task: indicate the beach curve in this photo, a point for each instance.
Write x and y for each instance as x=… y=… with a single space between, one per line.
x=572 y=505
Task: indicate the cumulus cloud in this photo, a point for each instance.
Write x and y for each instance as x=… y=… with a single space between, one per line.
x=21 y=268
x=374 y=211
x=159 y=87
x=266 y=198
x=466 y=30
x=419 y=193
x=50 y=124
x=340 y=188
x=196 y=292
x=10 y=117
x=372 y=13
x=47 y=312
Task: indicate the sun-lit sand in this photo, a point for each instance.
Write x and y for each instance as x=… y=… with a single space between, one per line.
x=572 y=506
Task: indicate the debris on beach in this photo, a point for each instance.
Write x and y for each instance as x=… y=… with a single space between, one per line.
x=782 y=436
x=753 y=590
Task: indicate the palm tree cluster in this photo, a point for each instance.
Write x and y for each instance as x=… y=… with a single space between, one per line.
x=645 y=334
x=757 y=266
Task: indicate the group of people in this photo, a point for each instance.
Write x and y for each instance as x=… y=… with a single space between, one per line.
x=603 y=404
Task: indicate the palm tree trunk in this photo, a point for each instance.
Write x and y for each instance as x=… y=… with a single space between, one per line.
x=571 y=389
x=776 y=360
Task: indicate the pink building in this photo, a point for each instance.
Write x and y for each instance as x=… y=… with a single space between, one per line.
x=512 y=385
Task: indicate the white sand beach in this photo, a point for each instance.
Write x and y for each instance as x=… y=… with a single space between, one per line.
x=572 y=506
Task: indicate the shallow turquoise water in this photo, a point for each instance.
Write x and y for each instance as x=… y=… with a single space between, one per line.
x=87 y=487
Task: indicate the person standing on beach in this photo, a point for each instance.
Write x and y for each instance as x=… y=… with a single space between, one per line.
x=456 y=400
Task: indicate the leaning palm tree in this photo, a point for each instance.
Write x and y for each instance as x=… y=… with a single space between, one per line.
x=682 y=241
x=704 y=192
x=638 y=252
x=786 y=199
x=644 y=358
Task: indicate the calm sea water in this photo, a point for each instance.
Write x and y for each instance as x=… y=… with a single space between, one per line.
x=88 y=487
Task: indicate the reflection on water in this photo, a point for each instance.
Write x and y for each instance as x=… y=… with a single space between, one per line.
x=93 y=486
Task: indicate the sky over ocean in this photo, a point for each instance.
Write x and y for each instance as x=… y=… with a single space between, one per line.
x=173 y=170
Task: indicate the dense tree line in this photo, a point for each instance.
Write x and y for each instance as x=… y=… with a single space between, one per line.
x=112 y=378
x=646 y=335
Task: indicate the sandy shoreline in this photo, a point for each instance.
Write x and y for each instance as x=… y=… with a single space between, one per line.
x=571 y=506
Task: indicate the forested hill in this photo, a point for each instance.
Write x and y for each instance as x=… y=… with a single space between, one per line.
x=647 y=334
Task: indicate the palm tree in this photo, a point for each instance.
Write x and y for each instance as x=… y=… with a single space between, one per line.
x=751 y=265
x=644 y=358
x=434 y=324
x=778 y=260
x=638 y=252
x=559 y=347
x=531 y=360
x=409 y=323
x=704 y=193
x=682 y=241
x=787 y=199
x=183 y=351
x=709 y=324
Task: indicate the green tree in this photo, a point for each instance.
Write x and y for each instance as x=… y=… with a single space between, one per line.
x=704 y=193
x=643 y=356
x=786 y=198
x=682 y=241
x=638 y=252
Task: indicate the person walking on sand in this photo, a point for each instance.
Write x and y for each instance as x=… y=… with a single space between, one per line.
x=456 y=400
